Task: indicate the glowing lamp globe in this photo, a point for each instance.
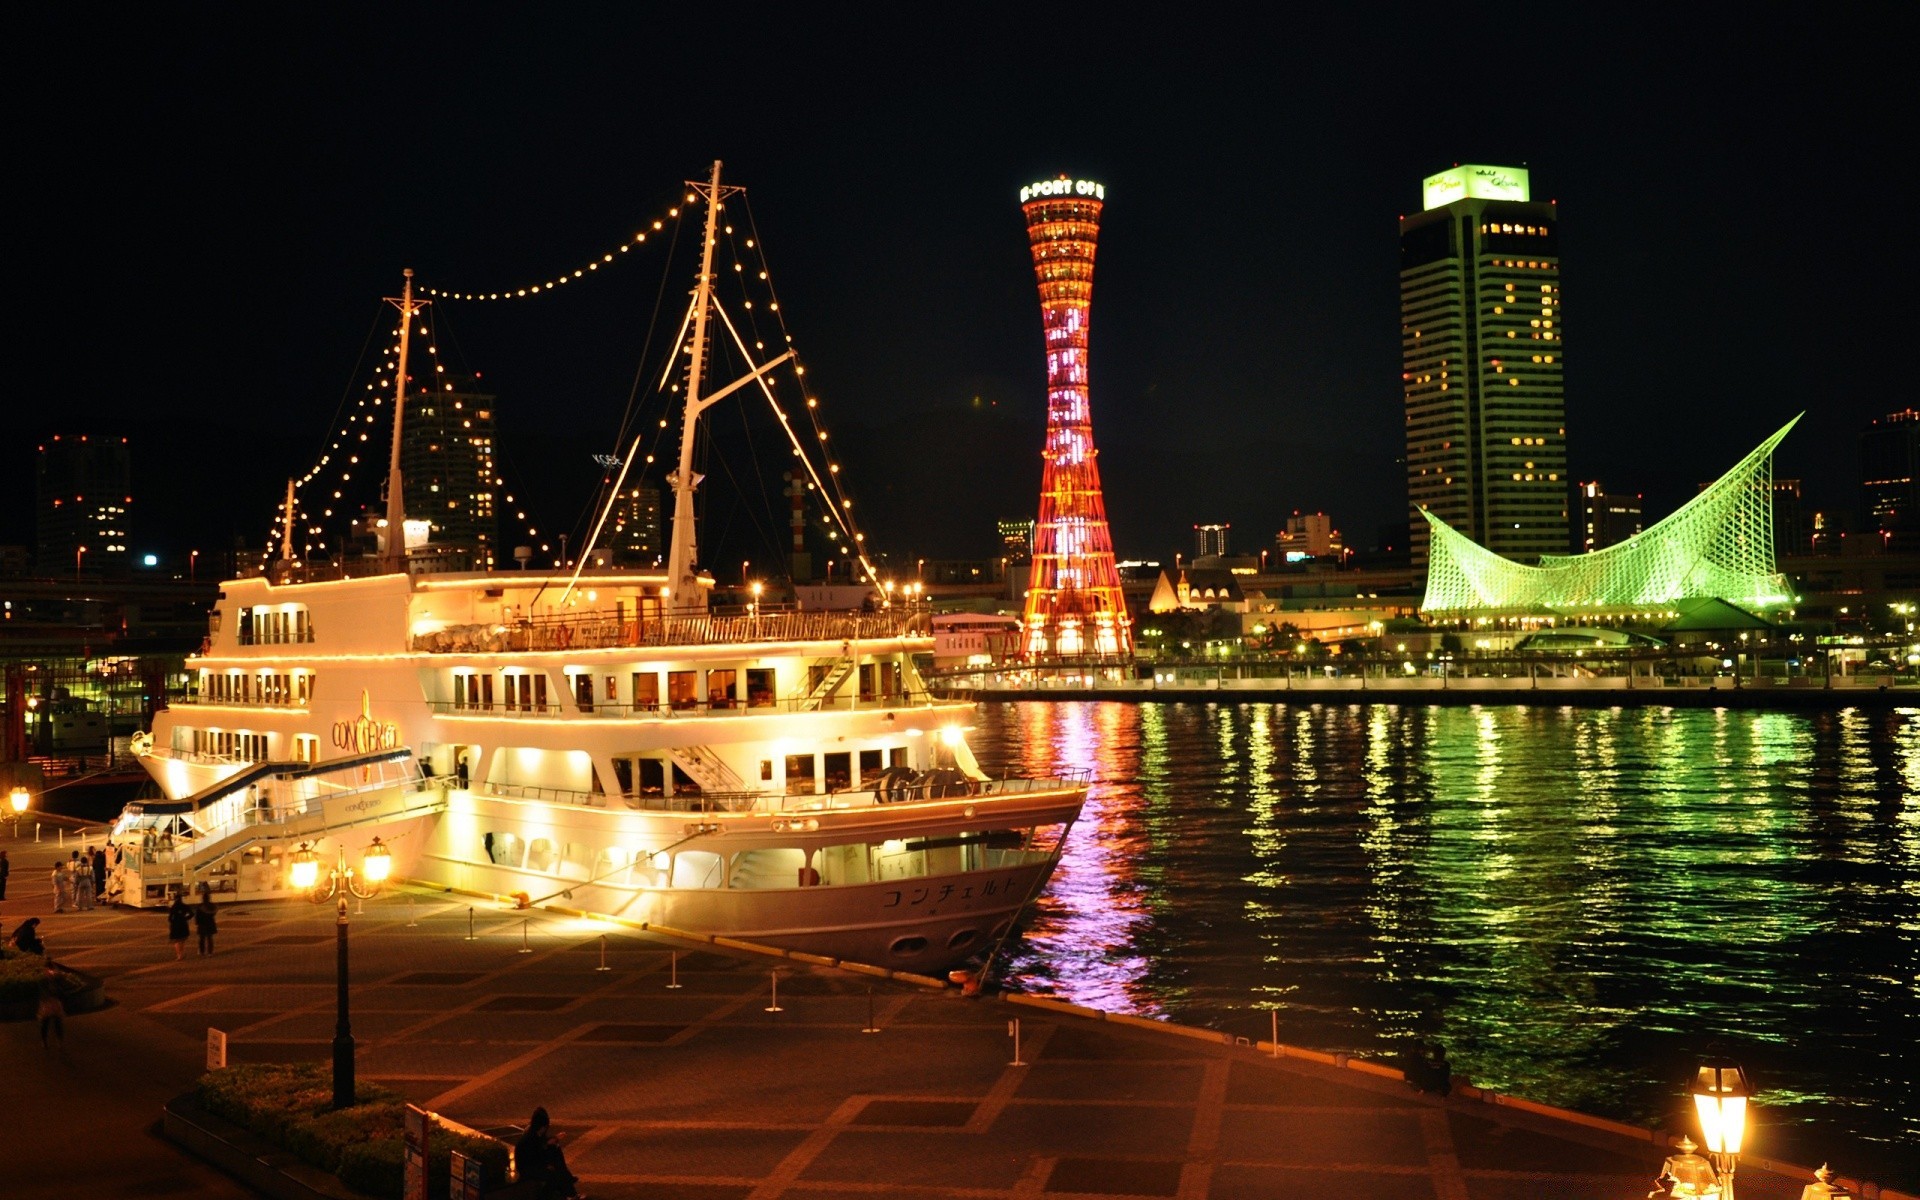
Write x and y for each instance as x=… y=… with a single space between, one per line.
x=376 y=863
x=306 y=868
x=19 y=797
x=1720 y=1092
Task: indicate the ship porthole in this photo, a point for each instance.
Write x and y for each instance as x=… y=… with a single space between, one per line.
x=906 y=947
x=963 y=937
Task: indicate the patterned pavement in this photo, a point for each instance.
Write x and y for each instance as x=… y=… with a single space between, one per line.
x=698 y=1092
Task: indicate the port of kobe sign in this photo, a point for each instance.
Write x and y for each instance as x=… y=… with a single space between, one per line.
x=1063 y=187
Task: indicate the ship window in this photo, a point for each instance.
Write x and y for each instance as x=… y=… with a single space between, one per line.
x=540 y=855
x=760 y=687
x=839 y=771
x=768 y=867
x=766 y=770
x=647 y=870
x=696 y=869
x=897 y=756
x=870 y=764
x=800 y=774
x=680 y=689
x=653 y=777
x=683 y=783
x=963 y=938
x=574 y=861
x=583 y=691
x=720 y=688
x=504 y=848
x=906 y=947
x=646 y=691
x=610 y=863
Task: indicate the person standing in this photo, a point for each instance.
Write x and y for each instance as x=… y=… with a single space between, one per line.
x=179 y=922
x=62 y=887
x=83 y=884
x=100 y=871
x=204 y=922
x=6 y=869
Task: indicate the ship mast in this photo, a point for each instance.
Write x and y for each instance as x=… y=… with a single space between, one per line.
x=396 y=556
x=682 y=573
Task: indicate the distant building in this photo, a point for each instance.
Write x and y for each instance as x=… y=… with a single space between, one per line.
x=83 y=493
x=1016 y=540
x=1605 y=518
x=1889 y=468
x=1481 y=364
x=1194 y=587
x=1210 y=541
x=447 y=463
x=1791 y=532
x=1309 y=535
x=635 y=537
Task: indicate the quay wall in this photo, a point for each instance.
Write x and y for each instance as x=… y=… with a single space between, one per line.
x=1544 y=690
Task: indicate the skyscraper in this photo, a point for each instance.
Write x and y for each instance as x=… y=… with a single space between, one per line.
x=1210 y=540
x=1481 y=363
x=1890 y=475
x=447 y=462
x=635 y=536
x=83 y=498
x=1074 y=605
x=1605 y=518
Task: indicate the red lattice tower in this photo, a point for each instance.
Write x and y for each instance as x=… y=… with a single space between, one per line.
x=1074 y=606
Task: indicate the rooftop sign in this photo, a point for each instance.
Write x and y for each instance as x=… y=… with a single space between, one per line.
x=1067 y=187
x=1472 y=182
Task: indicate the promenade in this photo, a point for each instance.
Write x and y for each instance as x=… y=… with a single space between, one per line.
x=699 y=1091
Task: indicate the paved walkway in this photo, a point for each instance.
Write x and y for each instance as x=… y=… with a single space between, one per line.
x=697 y=1091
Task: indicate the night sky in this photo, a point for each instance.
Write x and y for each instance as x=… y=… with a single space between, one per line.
x=210 y=203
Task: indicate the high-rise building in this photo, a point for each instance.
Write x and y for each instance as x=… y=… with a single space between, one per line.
x=1890 y=475
x=1074 y=604
x=1210 y=540
x=1481 y=363
x=83 y=501
x=447 y=463
x=1309 y=535
x=1016 y=539
x=635 y=535
x=1605 y=518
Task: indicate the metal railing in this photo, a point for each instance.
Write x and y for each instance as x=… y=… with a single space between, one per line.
x=948 y=788
x=604 y=629
x=686 y=708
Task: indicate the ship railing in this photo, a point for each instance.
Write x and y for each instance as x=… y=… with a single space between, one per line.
x=948 y=787
x=606 y=629
x=276 y=819
x=851 y=702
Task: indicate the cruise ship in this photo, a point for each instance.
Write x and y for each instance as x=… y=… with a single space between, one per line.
x=606 y=741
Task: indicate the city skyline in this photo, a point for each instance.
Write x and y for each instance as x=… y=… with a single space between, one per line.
x=1246 y=348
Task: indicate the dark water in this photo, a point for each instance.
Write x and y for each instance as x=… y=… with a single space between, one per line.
x=1579 y=904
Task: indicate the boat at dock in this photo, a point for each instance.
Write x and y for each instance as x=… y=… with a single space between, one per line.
x=605 y=740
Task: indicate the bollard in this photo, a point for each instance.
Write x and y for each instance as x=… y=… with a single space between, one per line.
x=411 y=923
x=673 y=969
x=603 y=955
x=470 y=936
x=1013 y=1028
x=63 y=837
x=1276 y=1033
x=36 y=831
x=871 y=1027
x=775 y=1006
x=359 y=906
x=524 y=947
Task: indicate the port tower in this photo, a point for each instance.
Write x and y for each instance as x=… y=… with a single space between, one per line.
x=1074 y=606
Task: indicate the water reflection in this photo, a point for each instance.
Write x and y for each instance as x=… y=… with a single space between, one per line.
x=1576 y=902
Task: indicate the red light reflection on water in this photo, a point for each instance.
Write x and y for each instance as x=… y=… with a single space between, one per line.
x=1083 y=933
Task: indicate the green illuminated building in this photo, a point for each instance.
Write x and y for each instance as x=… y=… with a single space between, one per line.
x=1719 y=545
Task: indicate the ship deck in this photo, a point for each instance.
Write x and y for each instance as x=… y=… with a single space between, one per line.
x=699 y=1091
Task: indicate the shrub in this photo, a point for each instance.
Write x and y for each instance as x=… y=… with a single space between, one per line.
x=20 y=976
x=290 y=1105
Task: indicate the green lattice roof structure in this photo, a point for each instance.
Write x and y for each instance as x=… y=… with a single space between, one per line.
x=1719 y=545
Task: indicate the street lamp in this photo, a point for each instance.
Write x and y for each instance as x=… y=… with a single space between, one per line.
x=758 y=587
x=1720 y=1093
x=342 y=1029
x=193 y=561
x=79 y=554
x=376 y=864
x=17 y=801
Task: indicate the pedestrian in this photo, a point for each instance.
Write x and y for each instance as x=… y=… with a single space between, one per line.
x=52 y=1012
x=538 y=1157
x=26 y=938
x=204 y=923
x=83 y=885
x=100 y=871
x=62 y=888
x=6 y=869
x=179 y=921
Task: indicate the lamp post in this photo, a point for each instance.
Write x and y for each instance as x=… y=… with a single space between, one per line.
x=342 y=1029
x=17 y=801
x=1720 y=1093
x=193 y=561
x=376 y=863
x=79 y=555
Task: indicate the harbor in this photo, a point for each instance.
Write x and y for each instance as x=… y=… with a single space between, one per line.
x=686 y=1069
